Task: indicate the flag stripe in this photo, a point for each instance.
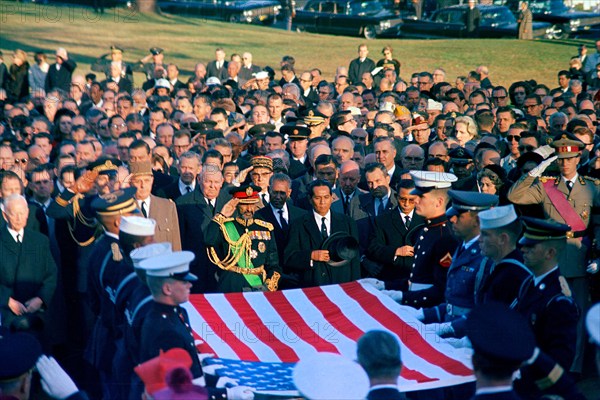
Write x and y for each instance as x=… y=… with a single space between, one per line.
x=297 y=324
x=410 y=336
x=251 y=320
x=219 y=327
x=413 y=375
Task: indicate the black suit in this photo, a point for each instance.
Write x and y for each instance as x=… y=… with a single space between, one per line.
x=298 y=169
x=170 y=191
x=221 y=73
x=305 y=236
x=281 y=235
x=60 y=78
x=357 y=69
x=312 y=97
x=194 y=216
x=385 y=394
x=124 y=84
x=363 y=212
x=26 y=271
x=389 y=233
x=246 y=73
x=160 y=181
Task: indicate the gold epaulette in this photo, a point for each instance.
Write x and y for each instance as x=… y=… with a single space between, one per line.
x=545 y=179
x=264 y=224
x=221 y=219
x=273 y=282
x=595 y=181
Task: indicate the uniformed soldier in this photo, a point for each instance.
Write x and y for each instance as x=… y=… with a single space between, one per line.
x=167 y=324
x=144 y=65
x=102 y=64
x=567 y=198
x=435 y=245
x=467 y=261
x=243 y=248
x=103 y=273
x=545 y=300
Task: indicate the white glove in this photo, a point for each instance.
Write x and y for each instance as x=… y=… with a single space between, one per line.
x=55 y=381
x=445 y=328
x=225 y=381
x=539 y=170
x=395 y=295
x=240 y=393
x=592 y=267
x=460 y=343
x=376 y=283
x=417 y=313
x=203 y=356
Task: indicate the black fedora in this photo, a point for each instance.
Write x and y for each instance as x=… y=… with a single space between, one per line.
x=342 y=248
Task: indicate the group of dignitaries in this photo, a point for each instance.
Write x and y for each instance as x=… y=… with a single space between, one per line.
x=119 y=203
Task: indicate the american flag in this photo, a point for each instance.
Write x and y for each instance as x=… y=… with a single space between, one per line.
x=254 y=332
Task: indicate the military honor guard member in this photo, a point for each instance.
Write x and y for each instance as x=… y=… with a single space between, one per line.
x=571 y=199
x=436 y=243
x=545 y=301
x=242 y=247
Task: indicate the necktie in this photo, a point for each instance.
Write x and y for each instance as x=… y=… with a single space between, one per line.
x=264 y=199
x=189 y=189
x=323 y=228
x=282 y=221
x=345 y=202
x=144 y=211
x=406 y=221
x=570 y=185
x=211 y=206
x=380 y=209
x=18 y=238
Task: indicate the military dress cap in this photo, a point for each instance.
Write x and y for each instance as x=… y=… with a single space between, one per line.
x=155 y=51
x=247 y=194
x=567 y=146
x=154 y=371
x=426 y=181
x=460 y=155
x=261 y=129
x=326 y=376
x=149 y=250
x=530 y=156
x=116 y=49
x=295 y=132
x=212 y=134
x=592 y=322
x=342 y=248
x=540 y=230
x=174 y=265
x=19 y=353
x=116 y=203
x=314 y=117
x=140 y=168
x=262 y=162
x=261 y=75
x=433 y=105
x=419 y=120
x=202 y=126
x=162 y=83
x=497 y=217
x=402 y=112
x=500 y=335
x=105 y=166
x=463 y=201
x=213 y=81
x=137 y=226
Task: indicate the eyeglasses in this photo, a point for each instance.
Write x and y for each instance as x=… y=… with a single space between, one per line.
x=526 y=148
x=413 y=159
x=349 y=120
x=359 y=138
x=512 y=138
x=528 y=106
x=119 y=125
x=21 y=160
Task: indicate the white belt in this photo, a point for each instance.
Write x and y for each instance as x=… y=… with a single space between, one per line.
x=419 y=286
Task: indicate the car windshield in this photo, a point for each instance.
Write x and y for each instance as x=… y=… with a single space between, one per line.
x=364 y=8
x=497 y=16
x=555 y=6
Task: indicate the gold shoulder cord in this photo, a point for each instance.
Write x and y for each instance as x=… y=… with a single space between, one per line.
x=237 y=248
x=78 y=216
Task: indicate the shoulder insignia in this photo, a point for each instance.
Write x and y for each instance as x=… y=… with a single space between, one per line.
x=116 y=252
x=564 y=286
x=545 y=179
x=446 y=260
x=221 y=219
x=581 y=180
x=264 y=224
x=595 y=181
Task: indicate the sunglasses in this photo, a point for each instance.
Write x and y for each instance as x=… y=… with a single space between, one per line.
x=526 y=148
x=21 y=160
x=512 y=138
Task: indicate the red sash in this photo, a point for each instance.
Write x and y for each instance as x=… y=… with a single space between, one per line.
x=564 y=208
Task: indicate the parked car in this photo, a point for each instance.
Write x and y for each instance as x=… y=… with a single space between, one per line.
x=366 y=18
x=247 y=11
x=565 y=21
x=496 y=22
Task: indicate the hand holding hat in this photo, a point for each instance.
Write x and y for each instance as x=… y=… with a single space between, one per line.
x=376 y=283
x=55 y=381
x=85 y=182
x=539 y=170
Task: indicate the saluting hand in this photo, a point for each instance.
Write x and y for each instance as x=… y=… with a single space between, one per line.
x=229 y=207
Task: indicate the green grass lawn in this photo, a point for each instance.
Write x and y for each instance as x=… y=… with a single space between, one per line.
x=189 y=40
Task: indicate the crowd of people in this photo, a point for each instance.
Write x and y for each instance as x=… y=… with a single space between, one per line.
x=120 y=198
